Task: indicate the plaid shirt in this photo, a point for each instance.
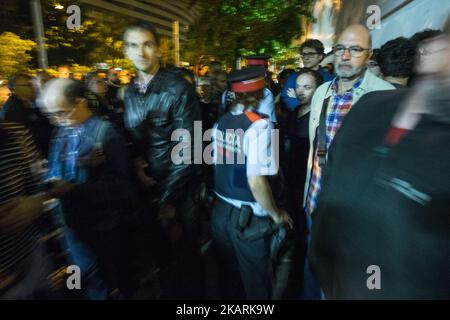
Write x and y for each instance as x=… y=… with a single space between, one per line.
x=336 y=114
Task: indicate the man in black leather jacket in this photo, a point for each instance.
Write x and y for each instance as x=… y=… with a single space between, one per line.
x=157 y=103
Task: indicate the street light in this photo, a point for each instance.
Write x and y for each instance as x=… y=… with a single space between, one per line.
x=36 y=13
x=59 y=6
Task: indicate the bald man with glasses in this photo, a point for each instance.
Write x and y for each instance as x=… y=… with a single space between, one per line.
x=330 y=104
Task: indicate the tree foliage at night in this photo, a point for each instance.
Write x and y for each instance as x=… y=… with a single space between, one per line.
x=230 y=28
x=97 y=40
x=14 y=54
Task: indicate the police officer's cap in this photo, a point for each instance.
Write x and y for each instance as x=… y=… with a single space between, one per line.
x=247 y=80
x=258 y=60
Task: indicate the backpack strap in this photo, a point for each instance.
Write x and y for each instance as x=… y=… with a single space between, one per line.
x=322 y=133
x=100 y=131
x=253 y=116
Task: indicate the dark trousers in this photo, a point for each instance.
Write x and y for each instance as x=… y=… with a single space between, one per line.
x=34 y=279
x=288 y=269
x=298 y=162
x=114 y=253
x=243 y=258
x=183 y=278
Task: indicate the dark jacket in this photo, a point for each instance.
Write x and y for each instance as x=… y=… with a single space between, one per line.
x=15 y=110
x=169 y=103
x=384 y=205
x=104 y=197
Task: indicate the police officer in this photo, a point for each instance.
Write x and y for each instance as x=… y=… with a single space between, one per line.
x=266 y=105
x=262 y=61
x=245 y=215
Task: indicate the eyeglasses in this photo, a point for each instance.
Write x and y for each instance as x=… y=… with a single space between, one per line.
x=59 y=113
x=355 y=51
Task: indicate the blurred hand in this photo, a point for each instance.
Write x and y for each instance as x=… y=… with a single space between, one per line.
x=201 y=92
x=139 y=166
x=96 y=158
x=166 y=212
x=291 y=93
x=60 y=188
x=283 y=217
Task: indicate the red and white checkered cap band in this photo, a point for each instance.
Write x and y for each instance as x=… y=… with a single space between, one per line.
x=249 y=85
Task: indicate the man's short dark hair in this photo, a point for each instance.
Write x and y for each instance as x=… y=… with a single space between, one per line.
x=75 y=90
x=313 y=44
x=144 y=26
x=375 y=55
x=283 y=75
x=214 y=64
x=183 y=72
x=419 y=37
x=12 y=81
x=396 y=58
x=315 y=74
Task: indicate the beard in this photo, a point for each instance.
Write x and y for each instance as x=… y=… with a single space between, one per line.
x=345 y=71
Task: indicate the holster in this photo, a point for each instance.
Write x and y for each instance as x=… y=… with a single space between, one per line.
x=245 y=217
x=278 y=241
x=276 y=232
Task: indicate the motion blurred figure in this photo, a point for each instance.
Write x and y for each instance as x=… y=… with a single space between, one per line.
x=21 y=108
x=90 y=162
x=386 y=209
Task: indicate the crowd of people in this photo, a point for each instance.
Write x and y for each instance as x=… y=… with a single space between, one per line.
x=355 y=175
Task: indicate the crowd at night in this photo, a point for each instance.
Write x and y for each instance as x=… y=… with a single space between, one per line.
x=319 y=177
